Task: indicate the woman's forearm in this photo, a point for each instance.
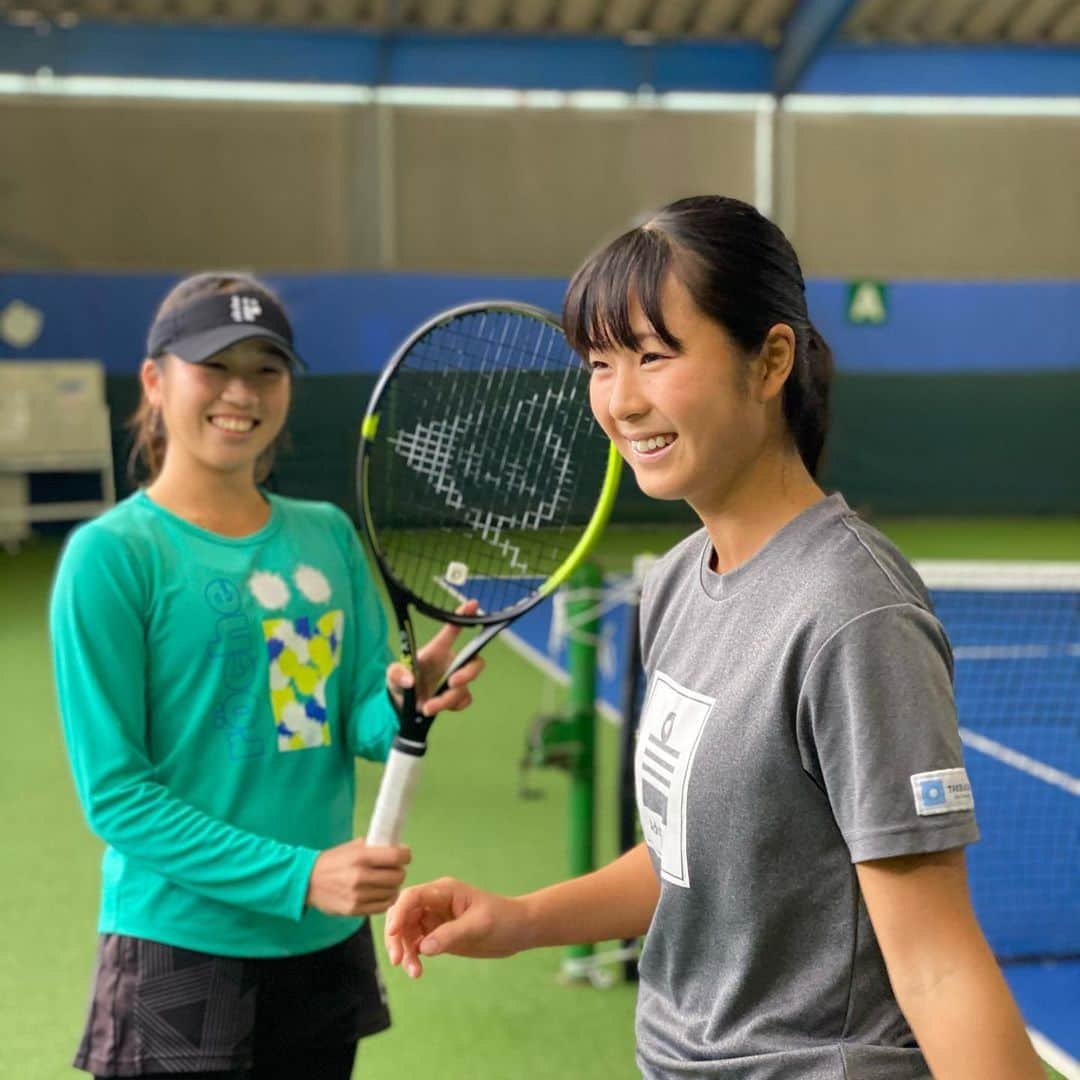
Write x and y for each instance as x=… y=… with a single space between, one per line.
x=614 y=902
x=965 y=1020
x=942 y=971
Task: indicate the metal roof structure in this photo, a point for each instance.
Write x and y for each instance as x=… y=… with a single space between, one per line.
x=923 y=22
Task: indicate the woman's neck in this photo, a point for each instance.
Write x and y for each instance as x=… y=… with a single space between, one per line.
x=229 y=504
x=776 y=489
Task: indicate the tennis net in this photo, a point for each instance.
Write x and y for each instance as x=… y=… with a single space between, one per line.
x=1015 y=633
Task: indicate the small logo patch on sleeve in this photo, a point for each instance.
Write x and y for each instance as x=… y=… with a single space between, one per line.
x=942 y=792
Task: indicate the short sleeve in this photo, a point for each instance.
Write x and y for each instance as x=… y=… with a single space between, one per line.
x=877 y=729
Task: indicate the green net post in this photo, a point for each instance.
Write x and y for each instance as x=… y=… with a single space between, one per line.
x=583 y=631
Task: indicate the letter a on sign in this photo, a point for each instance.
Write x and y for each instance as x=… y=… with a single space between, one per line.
x=867 y=303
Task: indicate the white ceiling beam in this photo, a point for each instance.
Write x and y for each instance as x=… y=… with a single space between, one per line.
x=917 y=105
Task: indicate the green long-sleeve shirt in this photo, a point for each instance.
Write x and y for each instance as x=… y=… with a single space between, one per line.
x=214 y=693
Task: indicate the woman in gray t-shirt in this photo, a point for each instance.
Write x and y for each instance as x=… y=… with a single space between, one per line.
x=801 y=883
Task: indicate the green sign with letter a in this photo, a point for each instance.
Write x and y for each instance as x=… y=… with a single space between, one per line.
x=867 y=303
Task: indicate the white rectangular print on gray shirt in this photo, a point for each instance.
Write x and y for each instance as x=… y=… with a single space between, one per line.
x=671 y=726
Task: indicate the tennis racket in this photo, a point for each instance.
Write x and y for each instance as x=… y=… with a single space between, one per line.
x=482 y=474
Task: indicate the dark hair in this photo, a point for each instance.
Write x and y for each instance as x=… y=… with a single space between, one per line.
x=740 y=270
x=149 y=439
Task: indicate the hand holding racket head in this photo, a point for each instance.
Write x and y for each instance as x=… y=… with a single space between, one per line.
x=482 y=475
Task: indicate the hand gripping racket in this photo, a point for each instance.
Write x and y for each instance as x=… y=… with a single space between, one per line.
x=482 y=474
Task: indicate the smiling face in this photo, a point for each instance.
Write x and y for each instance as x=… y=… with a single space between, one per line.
x=692 y=421
x=224 y=414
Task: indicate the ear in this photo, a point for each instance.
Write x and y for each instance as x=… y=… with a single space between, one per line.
x=151 y=376
x=774 y=362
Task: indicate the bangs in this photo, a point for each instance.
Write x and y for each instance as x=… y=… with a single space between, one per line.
x=631 y=269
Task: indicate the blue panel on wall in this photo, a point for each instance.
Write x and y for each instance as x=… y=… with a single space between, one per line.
x=343 y=323
x=948 y=70
x=742 y=68
x=956 y=326
x=568 y=63
x=352 y=323
x=146 y=50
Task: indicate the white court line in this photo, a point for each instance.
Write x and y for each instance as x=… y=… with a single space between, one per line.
x=1054 y=1056
x=1014 y=652
x=1038 y=769
x=964 y=575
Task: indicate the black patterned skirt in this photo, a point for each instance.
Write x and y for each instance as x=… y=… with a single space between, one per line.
x=157 y=1008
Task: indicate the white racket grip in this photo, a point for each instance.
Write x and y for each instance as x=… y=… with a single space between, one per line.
x=395 y=794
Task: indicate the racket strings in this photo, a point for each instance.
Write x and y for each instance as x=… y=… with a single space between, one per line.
x=488 y=451
x=514 y=480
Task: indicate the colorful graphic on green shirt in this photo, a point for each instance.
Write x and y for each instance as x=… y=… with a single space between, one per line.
x=303 y=653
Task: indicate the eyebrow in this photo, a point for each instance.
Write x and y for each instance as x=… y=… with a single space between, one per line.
x=268 y=352
x=261 y=356
x=654 y=337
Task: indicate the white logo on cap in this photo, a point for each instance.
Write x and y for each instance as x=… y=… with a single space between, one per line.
x=244 y=308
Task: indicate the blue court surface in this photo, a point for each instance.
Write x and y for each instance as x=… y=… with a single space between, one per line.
x=1018 y=699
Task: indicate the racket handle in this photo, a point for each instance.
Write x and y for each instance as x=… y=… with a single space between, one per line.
x=395 y=794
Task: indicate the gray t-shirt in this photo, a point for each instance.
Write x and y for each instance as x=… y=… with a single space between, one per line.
x=799 y=719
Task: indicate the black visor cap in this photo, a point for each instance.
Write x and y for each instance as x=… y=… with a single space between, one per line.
x=197 y=331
